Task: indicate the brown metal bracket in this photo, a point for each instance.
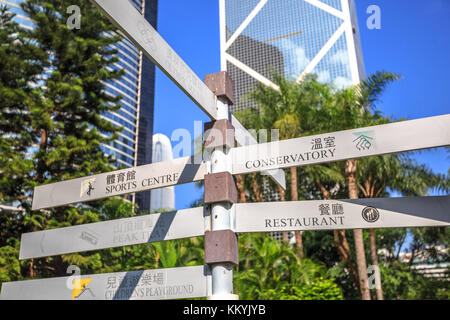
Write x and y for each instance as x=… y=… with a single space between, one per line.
x=218 y=134
x=220 y=187
x=221 y=85
x=221 y=246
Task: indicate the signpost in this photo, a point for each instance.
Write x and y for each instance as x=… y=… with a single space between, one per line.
x=350 y=144
x=156 y=284
x=222 y=216
x=343 y=214
x=115 y=233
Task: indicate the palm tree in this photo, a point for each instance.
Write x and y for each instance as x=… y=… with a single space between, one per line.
x=331 y=174
x=290 y=110
x=289 y=126
x=356 y=106
x=311 y=108
x=264 y=263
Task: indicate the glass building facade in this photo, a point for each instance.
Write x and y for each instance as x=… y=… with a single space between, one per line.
x=292 y=38
x=136 y=86
x=289 y=37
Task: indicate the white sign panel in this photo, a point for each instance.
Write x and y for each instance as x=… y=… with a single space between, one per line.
x=157 y=284
x=125 y=181
x=343 y=214
x=350 y=144
x=115 y=233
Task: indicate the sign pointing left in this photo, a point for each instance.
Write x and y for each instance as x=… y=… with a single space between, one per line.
x=156 y=284
x=125 y=181
x=114 y=233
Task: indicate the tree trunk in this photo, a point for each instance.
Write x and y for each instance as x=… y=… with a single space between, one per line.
x=256 y=188
x=41 y=163
x=31 y=268
x=350 y=173
x=369 y=192
x=283 y=198
x=240 y=187
x=294 y=197
x=374 y=257
x=340 y=241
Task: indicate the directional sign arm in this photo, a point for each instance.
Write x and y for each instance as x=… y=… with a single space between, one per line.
x=155 y=284
x=138 y=30
x=115 y=233
x=342 y=145
x=343 y=214
x=119 y=182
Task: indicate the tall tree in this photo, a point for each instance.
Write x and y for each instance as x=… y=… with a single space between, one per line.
x=356 y=106
x=289 y=126
x=65 y=112
x=290 y=110
x=18 y=70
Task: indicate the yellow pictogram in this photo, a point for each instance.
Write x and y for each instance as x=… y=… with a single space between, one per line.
x=79 y=285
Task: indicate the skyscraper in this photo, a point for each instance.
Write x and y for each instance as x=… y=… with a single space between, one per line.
x=163 y=198
x=292 y=38
x=136 y=86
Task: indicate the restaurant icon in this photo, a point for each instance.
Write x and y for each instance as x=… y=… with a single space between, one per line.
x=370 y=214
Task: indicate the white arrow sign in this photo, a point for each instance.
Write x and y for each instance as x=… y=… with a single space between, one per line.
x=146 y=177
x=343 y=214
x=356 y=143
x=115 y=233
x=157 y=284
x=125 y=16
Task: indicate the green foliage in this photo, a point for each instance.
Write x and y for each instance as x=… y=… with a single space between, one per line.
x=52 y=98
x=66 y=115
x=9 y=264
x=269 y=269
x=320 y=289
x=17 y=70
x=400 y=282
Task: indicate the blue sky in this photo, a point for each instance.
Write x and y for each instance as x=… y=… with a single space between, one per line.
x=414 y=41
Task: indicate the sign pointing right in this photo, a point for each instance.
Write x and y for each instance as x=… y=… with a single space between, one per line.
x=343 y=214
x=350 y=144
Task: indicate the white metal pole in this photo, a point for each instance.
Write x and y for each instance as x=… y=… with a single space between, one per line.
x=221 y=217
